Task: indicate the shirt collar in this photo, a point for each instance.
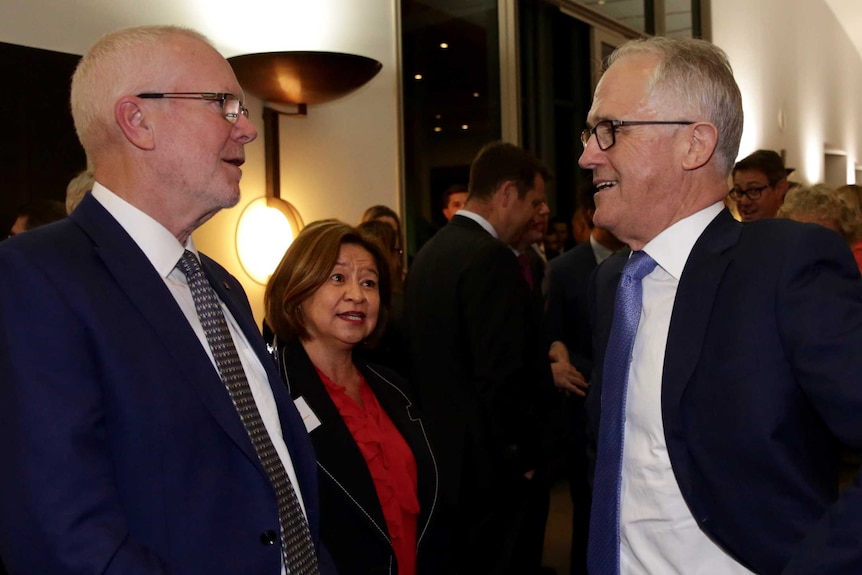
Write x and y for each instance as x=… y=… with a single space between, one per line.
x=600 y=252
x=671 y=248
x=158 y=244
x=486 y=225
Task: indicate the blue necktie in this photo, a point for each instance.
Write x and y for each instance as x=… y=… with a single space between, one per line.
x=603 y=551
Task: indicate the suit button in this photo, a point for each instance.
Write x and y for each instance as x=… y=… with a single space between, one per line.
x=268 y=537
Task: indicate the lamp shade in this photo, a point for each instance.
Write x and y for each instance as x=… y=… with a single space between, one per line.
x=266 y=228
x=303 y=77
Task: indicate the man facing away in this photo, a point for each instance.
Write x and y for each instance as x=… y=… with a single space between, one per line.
x=480 y=362
x=728 y=356
x=123 y=451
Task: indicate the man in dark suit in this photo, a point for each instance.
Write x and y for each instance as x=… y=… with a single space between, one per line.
x=479 y=359
x=122 y=449
x=743 y=375
x=568 y=320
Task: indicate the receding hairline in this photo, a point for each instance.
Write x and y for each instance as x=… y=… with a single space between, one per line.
x=117 y=65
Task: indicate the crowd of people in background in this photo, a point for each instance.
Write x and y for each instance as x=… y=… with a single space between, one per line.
x=690 y=374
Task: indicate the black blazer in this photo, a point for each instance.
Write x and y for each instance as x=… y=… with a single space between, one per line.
x=352 y=526
x=479 y=358
x=761 y=382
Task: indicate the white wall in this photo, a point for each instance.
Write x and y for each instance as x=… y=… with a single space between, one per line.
x=792 y=59
x=337 y=161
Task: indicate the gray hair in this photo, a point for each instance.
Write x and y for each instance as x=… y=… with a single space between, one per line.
x=822 y=202
x=696 y=75
x=119 y=64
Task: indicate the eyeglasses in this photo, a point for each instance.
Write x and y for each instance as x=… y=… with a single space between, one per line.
x=231 y=105
x=752 y=193
x=605 y=131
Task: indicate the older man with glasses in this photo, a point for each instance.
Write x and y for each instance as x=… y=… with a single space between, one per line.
x=759 y=185
x=727 y=355
x=145 y=428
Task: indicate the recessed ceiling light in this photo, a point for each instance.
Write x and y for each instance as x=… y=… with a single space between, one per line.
x=438 y=116
x=438 y=129
x=465 y=127
x=475 y=94
x=444 y=45
x=417 y=77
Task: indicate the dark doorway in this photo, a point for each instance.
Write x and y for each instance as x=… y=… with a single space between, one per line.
x=556 y=94
x=451 y=82
x=41 y=152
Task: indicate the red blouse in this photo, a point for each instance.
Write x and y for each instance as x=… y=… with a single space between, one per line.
x=390 y=462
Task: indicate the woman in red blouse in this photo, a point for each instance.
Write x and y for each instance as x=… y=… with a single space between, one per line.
x=377 y=476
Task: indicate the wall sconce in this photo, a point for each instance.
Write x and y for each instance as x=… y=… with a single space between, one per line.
x=268 y=225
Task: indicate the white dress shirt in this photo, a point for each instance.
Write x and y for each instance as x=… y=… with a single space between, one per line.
x=658 y=534
x=164 y=251
x=486 y=225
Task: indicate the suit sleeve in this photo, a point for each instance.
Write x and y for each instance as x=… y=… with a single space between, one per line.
x=496 y=312
x=59 y=507
x=555 y=304
x=820 y=315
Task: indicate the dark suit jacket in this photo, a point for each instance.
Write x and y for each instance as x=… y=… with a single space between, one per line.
x=352 y=524
x=479 y=358
x=122 y=451
x=760 y=383
x=567 y=314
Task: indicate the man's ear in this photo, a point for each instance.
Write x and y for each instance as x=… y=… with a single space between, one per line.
x=781 y=186
x=701 y=145
x=507 y=192
x=134 y=124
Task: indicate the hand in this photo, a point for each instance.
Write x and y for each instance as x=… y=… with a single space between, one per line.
x=568 y=379
x=558 y=352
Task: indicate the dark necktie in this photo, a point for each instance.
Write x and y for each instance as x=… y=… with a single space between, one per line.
x=526 y=268
x=295 y=536
x=603 y=553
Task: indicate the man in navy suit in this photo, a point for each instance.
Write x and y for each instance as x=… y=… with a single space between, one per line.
x=743 y=379
x=122 y=450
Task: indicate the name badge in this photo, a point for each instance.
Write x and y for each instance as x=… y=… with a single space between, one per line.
x=308 y=418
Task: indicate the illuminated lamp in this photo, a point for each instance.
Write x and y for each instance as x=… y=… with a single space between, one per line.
x=268 y=225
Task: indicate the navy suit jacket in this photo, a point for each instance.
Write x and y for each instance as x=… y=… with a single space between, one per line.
x=567 y=314
x=761 y=384
x=122 y=451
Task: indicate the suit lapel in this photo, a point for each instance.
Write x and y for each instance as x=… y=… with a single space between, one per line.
x=147 y=291
x=693 y=307
x=399 y=408
x=337 y=453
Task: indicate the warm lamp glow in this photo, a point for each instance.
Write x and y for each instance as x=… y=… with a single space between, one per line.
x=265 y=230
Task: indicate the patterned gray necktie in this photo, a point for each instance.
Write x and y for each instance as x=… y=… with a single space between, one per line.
x=295 y=536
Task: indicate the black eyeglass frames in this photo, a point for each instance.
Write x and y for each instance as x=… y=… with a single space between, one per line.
x=752 y=193
x=605 y=131
x=231 y=104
